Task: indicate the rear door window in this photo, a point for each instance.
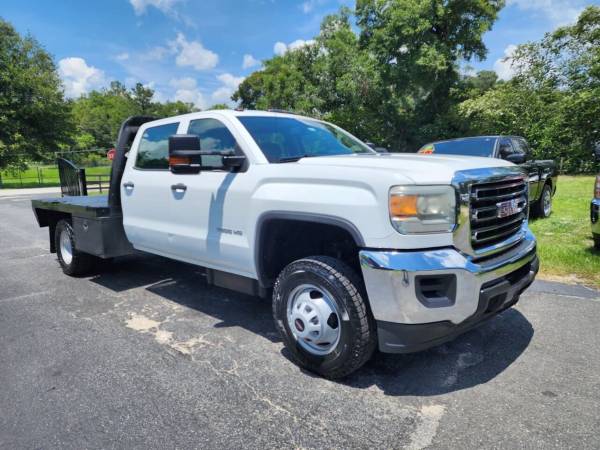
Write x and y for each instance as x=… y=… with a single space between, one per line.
x=505 y=148
x=153 y=151
x=519 y=146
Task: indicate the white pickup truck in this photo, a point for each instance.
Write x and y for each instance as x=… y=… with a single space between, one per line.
x=358 y=249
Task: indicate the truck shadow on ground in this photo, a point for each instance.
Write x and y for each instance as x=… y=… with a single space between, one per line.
x=472 y=359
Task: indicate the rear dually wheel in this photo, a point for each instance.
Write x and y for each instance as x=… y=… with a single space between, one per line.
x=72 y=261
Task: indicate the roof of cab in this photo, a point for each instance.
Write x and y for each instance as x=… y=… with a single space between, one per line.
x=228 y=112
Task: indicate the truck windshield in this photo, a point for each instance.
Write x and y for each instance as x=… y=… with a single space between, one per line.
x=285 y=139
x=468 y=147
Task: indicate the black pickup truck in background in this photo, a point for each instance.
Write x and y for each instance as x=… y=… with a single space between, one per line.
x=542 y=173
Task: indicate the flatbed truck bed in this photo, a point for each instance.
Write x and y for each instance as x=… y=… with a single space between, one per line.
x=98 y=227
x=83 y=206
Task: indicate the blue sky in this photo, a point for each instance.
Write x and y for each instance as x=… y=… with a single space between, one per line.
x=199 y=50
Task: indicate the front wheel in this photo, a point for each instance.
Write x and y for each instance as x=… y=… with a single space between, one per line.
x=322 y=316
x=72 y=261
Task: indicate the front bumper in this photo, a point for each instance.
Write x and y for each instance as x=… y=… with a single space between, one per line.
x=423 y=298
x=594 y=216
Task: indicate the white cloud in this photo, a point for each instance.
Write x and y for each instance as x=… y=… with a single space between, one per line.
x=165 y=6
x=154 y=54
x=309 y=5
x=280 y=48
x=504 y=66
x=229 y=80
x=186 y=90
x=192 y=53
x=250 y=61
x=122 y=56
x=560 y=12
x=229 y=84
x=298 y=43
x=79 y=78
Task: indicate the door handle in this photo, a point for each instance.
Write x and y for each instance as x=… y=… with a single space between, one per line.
x=128 y=185
x=178 y=187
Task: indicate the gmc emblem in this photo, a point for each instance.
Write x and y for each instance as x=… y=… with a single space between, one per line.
x=508 y=208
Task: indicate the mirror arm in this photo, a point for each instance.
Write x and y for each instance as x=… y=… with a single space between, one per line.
x=233 y=161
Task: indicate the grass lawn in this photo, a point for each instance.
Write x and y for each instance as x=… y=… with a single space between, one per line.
x=565 y=243
x=30 y=178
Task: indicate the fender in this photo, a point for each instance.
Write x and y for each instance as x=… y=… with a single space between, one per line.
x=300 y=217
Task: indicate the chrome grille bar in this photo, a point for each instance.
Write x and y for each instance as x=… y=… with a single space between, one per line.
x=498 y=209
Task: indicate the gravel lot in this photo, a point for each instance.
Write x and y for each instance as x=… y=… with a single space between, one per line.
x=145 y=355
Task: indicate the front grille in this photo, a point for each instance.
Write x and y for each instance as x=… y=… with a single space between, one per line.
x=492 y=219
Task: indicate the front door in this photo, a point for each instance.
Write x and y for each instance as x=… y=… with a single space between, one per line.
x=208 y=210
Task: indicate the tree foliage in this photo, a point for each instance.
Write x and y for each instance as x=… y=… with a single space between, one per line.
x=390 y=71
x=99 y=114
x=553 y=99
x=34 y=117
x=390 y=82
x=395 y=79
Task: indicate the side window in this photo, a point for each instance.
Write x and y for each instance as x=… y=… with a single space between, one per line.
x=519 y=146
x=505 y=148
x=153 y=151
x=214 y=136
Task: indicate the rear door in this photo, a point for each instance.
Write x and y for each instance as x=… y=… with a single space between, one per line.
x=145 y=190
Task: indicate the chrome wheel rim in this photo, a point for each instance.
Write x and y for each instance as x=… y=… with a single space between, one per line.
x=66 y=249
x=313 y=319
x=547 y=202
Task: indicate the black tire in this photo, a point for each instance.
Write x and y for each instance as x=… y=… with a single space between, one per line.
x=538 y=208
x=596 y=241
x=357 y=336
x=80 y=263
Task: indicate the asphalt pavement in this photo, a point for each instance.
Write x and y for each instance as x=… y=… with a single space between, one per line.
x=143 y=354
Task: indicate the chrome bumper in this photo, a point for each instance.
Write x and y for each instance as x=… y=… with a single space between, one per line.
x=391 y=281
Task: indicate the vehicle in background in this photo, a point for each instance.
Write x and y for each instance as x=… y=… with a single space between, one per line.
x=377 y=148
x=543 y=174
x=357 y=249
x=595 y=205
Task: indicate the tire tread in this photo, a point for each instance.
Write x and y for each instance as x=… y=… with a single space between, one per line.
x=365 y=342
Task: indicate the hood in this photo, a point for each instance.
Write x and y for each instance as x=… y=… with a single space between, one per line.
x=421 y=169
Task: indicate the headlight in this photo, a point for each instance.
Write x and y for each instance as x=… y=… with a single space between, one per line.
x=423 y=209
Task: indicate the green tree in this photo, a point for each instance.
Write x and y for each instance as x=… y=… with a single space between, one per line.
x=393 y=82
x=142 y=98
x=34 y=117
x=219 y=106
x=553 y=99
x=98 y=115
x=419 y=46
x=330 y=78
x=169 y=109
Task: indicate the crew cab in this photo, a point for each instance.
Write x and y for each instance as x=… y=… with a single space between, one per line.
x=357 y=249
x=543 y=174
